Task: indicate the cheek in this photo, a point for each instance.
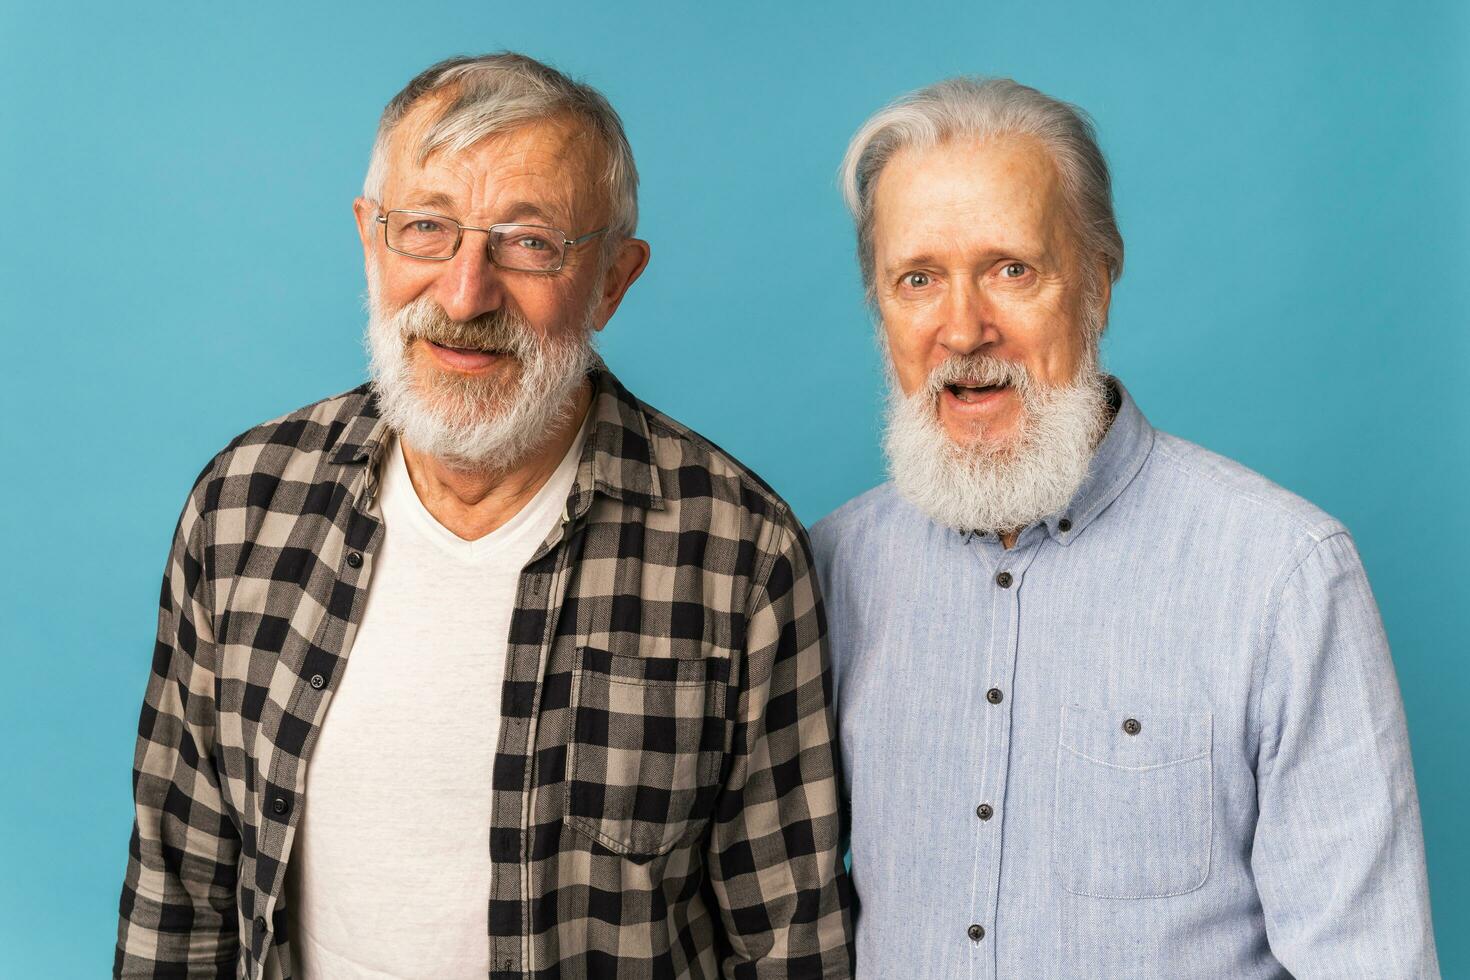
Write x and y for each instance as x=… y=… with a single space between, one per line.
x=551 y=307
x=1047 y=339
x=907 y=353
x=395 y=287
x=1062 y=352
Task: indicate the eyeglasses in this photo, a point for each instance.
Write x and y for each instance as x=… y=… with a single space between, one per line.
x=524 y=248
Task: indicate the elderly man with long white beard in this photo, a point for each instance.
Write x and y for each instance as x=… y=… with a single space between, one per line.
x=487 y=668
x=1109 y=705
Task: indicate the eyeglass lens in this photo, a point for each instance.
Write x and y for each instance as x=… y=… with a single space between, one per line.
x=532 y=248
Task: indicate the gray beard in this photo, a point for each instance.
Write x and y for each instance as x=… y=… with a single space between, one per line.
x=468 y=422
x=980 y=486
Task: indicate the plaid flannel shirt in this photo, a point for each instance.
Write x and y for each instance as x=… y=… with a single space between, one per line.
x=665 y=794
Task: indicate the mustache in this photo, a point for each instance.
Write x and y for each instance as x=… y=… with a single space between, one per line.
x=502 y=330
x=982 y=369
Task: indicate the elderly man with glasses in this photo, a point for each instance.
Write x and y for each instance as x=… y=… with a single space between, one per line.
x=487 y=668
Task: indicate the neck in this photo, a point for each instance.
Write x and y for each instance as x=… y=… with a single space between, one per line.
x=473 y=502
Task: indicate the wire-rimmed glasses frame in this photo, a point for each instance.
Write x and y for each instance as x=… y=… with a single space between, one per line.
x=555 y=239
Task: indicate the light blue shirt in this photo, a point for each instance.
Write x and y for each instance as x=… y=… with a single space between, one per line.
x=1159 y=737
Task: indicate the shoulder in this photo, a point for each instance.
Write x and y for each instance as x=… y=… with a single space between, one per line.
x=693 y=470
x=1242 y=510
x=1299 y=551
x=858 y=519
x=311 y=429
x=297 y=446
x=877 y=530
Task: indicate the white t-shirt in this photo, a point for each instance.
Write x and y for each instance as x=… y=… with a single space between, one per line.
x=390 y=872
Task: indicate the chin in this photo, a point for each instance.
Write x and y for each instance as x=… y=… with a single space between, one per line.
x=430 y=376
x=988 y=441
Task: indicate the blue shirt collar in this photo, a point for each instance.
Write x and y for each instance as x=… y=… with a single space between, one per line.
x=1115 y=462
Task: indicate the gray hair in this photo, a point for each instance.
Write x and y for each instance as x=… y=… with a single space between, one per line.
x=982 y=108
x=496 y=93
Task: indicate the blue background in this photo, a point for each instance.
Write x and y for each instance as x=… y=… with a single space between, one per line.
x=179 y=262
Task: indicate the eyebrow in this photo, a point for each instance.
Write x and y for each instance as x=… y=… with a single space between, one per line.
x=435 y=199
x=1036 y=255
x=909 y=261
x=525 y=209
x=517 y=212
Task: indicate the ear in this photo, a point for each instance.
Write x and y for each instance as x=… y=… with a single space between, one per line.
x=626 y=266
x=1104 y=292
x=366 y=213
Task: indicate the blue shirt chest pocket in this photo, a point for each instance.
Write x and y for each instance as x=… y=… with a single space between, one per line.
x=1134 y=802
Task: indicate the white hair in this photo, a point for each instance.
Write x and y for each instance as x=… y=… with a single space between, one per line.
x=983 y=108
x=496 y=93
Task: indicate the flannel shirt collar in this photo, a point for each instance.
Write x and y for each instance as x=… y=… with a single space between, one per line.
x=617 y=458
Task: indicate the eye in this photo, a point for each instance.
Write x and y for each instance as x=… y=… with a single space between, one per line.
x=427 y=226
x=532 y=243
x=1012 y=270
x=915 y=280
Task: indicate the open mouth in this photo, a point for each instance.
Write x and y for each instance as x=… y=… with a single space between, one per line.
x=470 y=350
x=972 y=392
x=468 y=360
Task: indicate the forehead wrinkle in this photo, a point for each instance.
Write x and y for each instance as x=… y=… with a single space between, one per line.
x=962 y=239
x=559 y=156
x=420 y=127
x=1019 y=212
x=1036 y=184
x=516 y=171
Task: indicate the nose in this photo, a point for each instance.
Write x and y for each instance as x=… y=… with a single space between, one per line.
x=470 y=284
x=969 y=319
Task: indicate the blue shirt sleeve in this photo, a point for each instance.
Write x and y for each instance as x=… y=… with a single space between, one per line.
x=1338 y=854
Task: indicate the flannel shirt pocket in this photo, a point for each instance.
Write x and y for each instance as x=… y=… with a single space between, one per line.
x=646 y=747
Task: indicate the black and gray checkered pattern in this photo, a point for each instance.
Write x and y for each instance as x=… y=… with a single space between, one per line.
x=665 y=793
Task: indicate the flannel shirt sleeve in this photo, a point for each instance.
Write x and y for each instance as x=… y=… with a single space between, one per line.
x=177 y=914
x=774 y=859
x=1338 y=854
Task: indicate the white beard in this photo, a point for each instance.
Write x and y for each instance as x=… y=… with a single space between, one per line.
x=469 y=422
x=981 y=486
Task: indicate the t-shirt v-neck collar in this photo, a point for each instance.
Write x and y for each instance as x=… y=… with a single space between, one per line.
x=402 y=506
